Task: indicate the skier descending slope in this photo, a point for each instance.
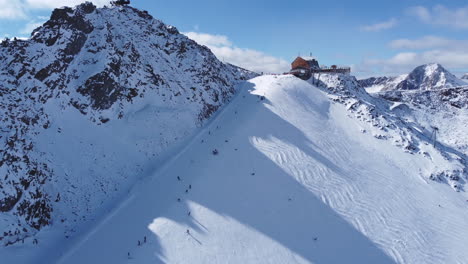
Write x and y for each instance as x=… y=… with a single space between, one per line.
x=357 y=199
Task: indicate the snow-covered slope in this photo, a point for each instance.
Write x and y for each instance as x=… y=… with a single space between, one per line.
x=377 y=84
x=445 y=110
x=92 y=98
x=294 y=179
x=397 y=122
x=465 y=77
x=425 y=77
x=432 y=98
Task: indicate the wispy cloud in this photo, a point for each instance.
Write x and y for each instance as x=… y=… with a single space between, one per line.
x=12 y=9
x=30 y=26
x=380 y=26
x=441 y=15
x=451 y=53
x=208 y=39
x=249 y=59
x=37 y=4
x=19 y=9
x=403 y=62
x=429 y=42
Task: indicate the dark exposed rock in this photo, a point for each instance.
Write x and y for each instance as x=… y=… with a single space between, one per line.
x=91 y=60
x=77 y=42
x=102 y=90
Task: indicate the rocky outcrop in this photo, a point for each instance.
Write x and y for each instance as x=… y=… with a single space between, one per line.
x=429 y=77
x=390 y=119
x=111 y=74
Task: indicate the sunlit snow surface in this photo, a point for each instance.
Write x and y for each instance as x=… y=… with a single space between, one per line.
x=294 y=181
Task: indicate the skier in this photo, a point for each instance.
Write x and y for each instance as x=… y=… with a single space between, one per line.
x=188 y=232
x=128 y=255
x=178 y=199
x=178 y=178
x=190 y=186
x=215 y=152
x=189 y=213
x=186 y=191
x=144 y=240
x=139 y=243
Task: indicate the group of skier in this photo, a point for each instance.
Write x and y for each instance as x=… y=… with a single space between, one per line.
x=139 y=244
x=179 y=200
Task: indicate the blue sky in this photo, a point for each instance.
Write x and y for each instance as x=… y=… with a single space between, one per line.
x=375 y=37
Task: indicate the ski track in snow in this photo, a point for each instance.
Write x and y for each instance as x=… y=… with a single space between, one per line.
x=367 y=215
x=295 y=181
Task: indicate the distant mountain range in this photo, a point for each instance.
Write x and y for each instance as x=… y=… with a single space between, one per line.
x=425 y=77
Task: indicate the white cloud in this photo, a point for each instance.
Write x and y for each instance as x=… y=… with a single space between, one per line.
x=421 y=12
x=37 y=4
x=11 y=9
x=451 y=53
x=208 y=39
x=18 y=9
x=429 y=42
x=380 y=26
x=249 y=59
x=29 y=27
x=405 y=61
x=441 y=15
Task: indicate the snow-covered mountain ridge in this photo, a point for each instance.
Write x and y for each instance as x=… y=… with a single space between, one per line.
x=384 y=83
x=294 y=180
x=403 y=127
x=286 y=171
x=425 y=77
x=437 y=101
x=87 y=102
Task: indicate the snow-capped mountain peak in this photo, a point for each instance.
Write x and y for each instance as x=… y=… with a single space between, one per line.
x=429 y=77
x=91 y=83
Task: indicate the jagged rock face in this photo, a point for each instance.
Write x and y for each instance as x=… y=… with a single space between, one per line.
x=429 y=77
x=91 y=81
